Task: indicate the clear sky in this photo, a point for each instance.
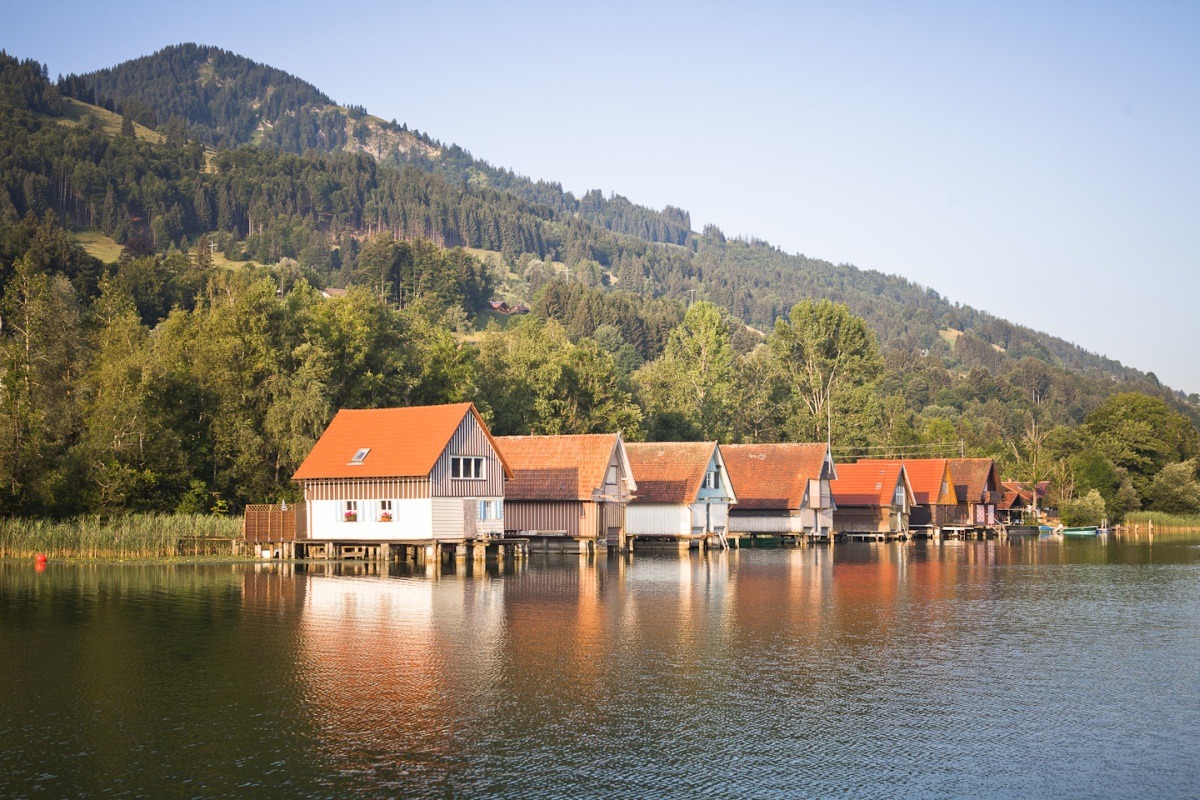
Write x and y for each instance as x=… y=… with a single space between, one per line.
x=1037 y=160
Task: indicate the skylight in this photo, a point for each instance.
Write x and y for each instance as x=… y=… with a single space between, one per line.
x=360 y=456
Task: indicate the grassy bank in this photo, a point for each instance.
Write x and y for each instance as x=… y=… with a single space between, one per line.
x=1163 y=522
x=129 y=536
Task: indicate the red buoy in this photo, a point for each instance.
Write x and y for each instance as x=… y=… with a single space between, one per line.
x=39 y=562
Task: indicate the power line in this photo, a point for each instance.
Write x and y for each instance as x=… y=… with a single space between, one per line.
x=930 y=450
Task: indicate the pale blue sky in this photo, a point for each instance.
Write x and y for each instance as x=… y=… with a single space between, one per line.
x=1038 y=160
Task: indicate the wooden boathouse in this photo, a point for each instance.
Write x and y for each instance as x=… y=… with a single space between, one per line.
x=684 y=494
x=783 y=490
x=934 y=501
x=568 y=493
x=873 y=501
x=417 y=482
x=1017 y=502
x=977 y=485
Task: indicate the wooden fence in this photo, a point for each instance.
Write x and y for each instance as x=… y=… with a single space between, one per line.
x=273 y=523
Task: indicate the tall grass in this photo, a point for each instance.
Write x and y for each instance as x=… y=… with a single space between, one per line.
x=1162 y=521
x=128 y=536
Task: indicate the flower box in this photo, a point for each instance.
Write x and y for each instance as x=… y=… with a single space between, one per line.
x=351 y=516
x=385 y=517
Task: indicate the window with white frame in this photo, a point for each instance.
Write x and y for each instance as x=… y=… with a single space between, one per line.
x=350 y=511
x=712 y=480
x=385 y=510
x=490 y=510
x=467 y=468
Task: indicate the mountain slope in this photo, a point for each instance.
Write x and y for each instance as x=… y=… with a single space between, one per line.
x=305 y=205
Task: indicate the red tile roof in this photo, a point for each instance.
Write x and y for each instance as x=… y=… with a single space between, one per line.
x=772 y=476
x=972 y=477
x=557 y=467
x=669 y=472
x=867 y=483
x=925 y=475
x=403 y=442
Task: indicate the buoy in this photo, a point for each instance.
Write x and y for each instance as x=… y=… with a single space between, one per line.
x=40 y=558
x=39 y=562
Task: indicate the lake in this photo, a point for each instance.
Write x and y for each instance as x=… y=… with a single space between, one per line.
x=967 y=669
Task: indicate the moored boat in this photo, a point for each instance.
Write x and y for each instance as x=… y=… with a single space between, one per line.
x=1086 y=530
x=1023 y=530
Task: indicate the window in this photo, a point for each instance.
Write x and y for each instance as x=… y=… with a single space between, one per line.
x=385 y=510
x=350 y=511
x=485 y=510
x=712 y=480
x=467 y=467
x=898 y=498
x=360 y=456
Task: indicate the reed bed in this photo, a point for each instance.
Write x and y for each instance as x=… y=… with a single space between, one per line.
x=127 y=536
x=1163 y=522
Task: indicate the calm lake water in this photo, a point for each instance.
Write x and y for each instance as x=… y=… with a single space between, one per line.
x=994 y=669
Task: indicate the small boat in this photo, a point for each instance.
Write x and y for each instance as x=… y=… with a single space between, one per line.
x=1023 y=530
x=1086 y=530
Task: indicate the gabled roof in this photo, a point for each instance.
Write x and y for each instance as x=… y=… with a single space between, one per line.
x=561 y=467
x=773 y=476
x=403 y=442
x=1019 y=490
x=869 y=483
x=670 y=472
x=972 y=477
x=925 y=475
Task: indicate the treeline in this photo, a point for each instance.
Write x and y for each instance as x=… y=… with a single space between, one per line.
x=313 y=207
x=224 y=100
x=177 y=386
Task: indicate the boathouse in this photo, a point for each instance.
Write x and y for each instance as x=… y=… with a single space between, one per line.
x=873 y=500
x=934 y=499
x=567 y=493
x=977 y=485
x=683 y=495
x=402 y=475
x=783 y=490
x=1017 y=501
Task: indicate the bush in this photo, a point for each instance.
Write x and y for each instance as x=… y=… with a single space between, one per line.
x=1086 y=510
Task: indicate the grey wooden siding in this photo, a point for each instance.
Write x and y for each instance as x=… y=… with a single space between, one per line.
x=367 y=489
x=572 y=517
x=468 y=440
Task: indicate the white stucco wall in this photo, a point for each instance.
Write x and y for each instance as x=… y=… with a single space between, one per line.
x=411 y=519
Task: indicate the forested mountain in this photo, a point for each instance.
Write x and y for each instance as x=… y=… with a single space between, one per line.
x=230 y=374
x=225 y=100
x=228 y=100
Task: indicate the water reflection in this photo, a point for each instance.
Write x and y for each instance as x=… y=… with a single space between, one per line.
x=1031 y=668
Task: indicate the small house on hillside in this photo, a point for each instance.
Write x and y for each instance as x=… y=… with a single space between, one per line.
x=782 y=489
x=567 y=493
x=873 y=499
x=683 y=495
x=428 y=473
x=977 y=484
x=934 y=499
